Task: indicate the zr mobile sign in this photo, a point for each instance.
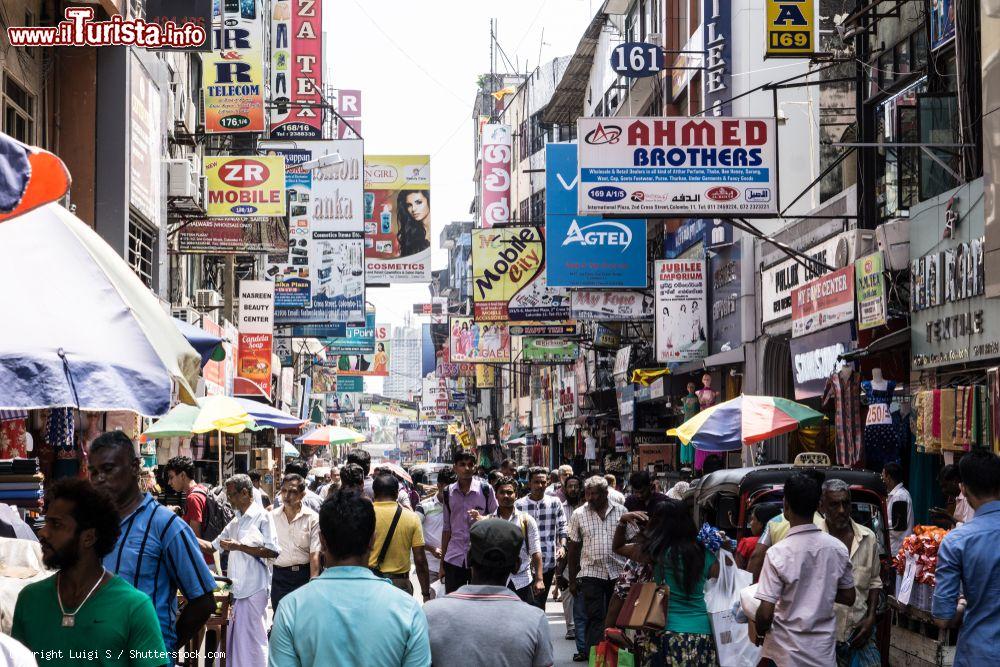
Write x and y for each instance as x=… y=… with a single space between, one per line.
x=674 y=167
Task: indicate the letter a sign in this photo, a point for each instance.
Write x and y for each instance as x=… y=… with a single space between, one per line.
x=790 y=28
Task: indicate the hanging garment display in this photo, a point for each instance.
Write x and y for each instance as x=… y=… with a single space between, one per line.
x=13 y=439
x=882 y=436
x=953 y=419
x=843 y=388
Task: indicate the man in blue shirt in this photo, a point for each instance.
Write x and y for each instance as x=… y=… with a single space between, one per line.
x=156 y=551
x=969 y=564
x=347 y=616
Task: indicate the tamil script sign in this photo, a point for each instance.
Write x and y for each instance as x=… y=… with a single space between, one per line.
x=586 y=251
x=496 y=180
x=673 y=167
x=680 y=310
x=870 y=288
x=823 y=302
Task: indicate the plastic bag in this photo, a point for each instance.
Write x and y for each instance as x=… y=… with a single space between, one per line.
x=732 y=641
x=604 y=654
x=437 y=586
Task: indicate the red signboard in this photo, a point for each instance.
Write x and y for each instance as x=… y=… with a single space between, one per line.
x=300 y=117
x=497 y=152
x=823 y=302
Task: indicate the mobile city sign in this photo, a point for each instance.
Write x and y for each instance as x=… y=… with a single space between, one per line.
x=586 y=251
x=670 y=167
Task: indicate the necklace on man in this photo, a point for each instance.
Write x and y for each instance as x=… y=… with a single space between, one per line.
x=69 y=619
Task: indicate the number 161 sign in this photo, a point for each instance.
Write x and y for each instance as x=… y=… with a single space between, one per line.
x=637 y=59
x=791 y=26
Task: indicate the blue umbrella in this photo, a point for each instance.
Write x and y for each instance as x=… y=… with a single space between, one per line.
x=265 y=415
x=208 y=346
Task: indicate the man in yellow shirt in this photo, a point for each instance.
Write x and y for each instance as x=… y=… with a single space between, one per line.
x=397 y=535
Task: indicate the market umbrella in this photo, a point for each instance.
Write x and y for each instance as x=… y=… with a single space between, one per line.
x=287 y=450
x=212 y=413
x=81 y=329
x=29 y=177
x=331 y=435
x=208 y=346
x=265 y=415
x=395 y=470
x=744 y=420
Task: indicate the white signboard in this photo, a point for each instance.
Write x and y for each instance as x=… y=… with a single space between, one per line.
x=680 y=310
x=608 y=306
x=674 y=167
x=778 y=281
x=256 y=312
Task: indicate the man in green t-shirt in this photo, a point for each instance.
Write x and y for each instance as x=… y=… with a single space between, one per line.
x=84 y=613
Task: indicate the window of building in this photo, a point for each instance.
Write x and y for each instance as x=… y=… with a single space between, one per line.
x=935 y=119
x=140 y=251
x=633 y=23
x=896 y=122
x=18 y=111
x=523 y=211
x=537 y=211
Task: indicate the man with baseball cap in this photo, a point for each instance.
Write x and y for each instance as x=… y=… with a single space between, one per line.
x=507 y=632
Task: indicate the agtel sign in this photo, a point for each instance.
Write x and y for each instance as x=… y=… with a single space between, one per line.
x=613 y=234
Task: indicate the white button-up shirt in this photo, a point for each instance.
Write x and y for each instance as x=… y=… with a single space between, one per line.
x=255 y=528
x=595 y=535
x=530 y=546
x=297 y=538
x=899 y=494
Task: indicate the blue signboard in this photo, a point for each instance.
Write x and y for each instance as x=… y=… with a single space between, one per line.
x=637 y=59
x=428 y=353
x=693 y=231
x=586 y=251
x=718 y=18
x=354 y=339
x=352 y=384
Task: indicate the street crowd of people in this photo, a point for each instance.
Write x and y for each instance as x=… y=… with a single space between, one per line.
x=323 y=577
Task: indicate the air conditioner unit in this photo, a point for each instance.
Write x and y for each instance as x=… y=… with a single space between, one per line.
x=207 y=299
x=189 y=315
x=181 y=179
x=852 y=245
x=172 y=105
x=894 y=242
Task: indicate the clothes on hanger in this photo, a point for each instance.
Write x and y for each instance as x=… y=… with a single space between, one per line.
x=843 y=388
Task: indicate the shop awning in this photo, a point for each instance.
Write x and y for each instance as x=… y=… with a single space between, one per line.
x=886 y=342
x=726 y=358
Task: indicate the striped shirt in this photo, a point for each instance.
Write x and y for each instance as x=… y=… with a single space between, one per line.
x=548 y=514
x=158 y=554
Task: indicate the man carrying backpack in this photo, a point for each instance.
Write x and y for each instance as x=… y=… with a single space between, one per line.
x=180 y=477
x=464 y=500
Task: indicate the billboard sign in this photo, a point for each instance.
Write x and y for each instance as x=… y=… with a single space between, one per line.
x=356 y=340
x=181 y=12
x=508 y=277
x=586 y=251
x=823 y=302
x=870 y=288
x=145 y=139
x=680 y=310
x=397 y=219
x=296 y=69
x=239 y=186
x=496 y=178
x=791 y=26
x=817 y=356
x=549 y=350
x=674 y=167
x=607 y=306
x=473 y=341
x=230 y=236
x=233 y=72
x=320 y=280
x=368 y=365
x=256 y=327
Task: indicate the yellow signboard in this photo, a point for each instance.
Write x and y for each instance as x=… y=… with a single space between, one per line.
x=505 y=262
x=485 y=376
x=245 y=186
x=791 y=28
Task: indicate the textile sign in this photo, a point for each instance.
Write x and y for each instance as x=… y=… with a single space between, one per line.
x=479 y=341
x=296 y=69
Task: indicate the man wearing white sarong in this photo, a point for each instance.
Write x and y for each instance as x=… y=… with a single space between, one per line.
x=250 y=538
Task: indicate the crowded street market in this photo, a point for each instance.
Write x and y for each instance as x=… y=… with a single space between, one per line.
x=694 y=367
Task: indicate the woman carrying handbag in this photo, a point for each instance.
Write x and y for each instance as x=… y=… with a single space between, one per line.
x=681 y=564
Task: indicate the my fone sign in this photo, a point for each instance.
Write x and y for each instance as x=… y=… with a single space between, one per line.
x=674 y=167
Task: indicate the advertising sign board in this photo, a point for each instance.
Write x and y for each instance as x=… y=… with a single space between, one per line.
x=586 y=251
x=397 y=219
x=479 y=341
x=508 y=277
x=817 y=356
x=233 y=72
x=601 y=306
x=256 y=326
x=180 y=12
x=230 y=236
x=145 y=138
x=870 y=288
x=680 y=310
x=239 y=186
x=791 y=26
x=296 y=69
x=674 y=167
x=823 y=302
x=371 y=365
x=356 y=340
x=496 y=179
x=549 y=350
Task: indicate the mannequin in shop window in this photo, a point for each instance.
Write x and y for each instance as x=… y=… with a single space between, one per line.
x=882 y=426
x=707 y=397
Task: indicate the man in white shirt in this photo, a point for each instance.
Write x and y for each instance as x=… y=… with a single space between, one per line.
x=528 y=581
x=250 y=538
x=900 y=506
x=431 y=513
x=297 y=530
x=614 y=495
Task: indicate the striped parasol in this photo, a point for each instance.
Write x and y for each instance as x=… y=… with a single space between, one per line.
x=744 y=420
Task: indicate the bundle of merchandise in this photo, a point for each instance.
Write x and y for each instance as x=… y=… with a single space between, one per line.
x=21 y=483
x=916 y=563
x=954 y=419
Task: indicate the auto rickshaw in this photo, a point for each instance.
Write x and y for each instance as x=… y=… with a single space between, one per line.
x=726 y=498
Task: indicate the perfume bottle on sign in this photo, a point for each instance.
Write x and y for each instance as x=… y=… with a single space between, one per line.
x=386 y=219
